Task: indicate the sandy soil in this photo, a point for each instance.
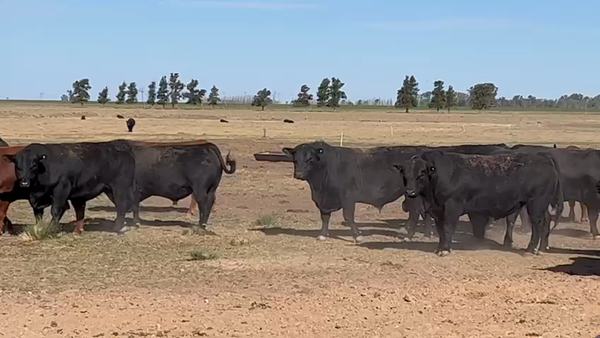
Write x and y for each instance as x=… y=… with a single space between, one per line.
x=276 y=279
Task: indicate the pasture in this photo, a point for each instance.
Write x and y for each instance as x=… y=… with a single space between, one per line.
x=262 y=273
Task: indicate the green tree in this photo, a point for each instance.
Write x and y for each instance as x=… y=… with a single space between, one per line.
x=176 y=87
x=81 y=91
x=103 y=96
x=122 y=93
x=438 y=96
x=483 y=96
x=194 y=95
x=132 y=93
x=262 y=99
x=304 y=97
x=450 y=98
x=64 y=98
x=323 y=93
x=213 y=97
x=408 y=95
x=163 y=91
x=336 y=93
x=151 y=93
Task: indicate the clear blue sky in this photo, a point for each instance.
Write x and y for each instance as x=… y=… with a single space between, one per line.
x=544 y=48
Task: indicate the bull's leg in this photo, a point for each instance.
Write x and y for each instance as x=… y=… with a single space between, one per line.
x=205 y=207
x=135 y=208
x=439 y=226
x=193 y=206
x=571 y=216
x=525 y=222
x=545 y=233
x=585 y=218
x=427 y=223
x=593 y=213
x=536 y=212
x=124 y=198
x=348 y=210
x=38 y=213
x=478 y=224
x=445 y=246
x=325 y=216
x=79 y=206
x=411 y=223
x=510 y=226
x=59 y=201
x=5 y=222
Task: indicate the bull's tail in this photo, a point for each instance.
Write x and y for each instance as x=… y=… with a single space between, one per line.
x=229 y=161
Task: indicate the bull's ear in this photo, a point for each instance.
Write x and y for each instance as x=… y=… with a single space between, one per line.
x=8 y=158
x=288 y=151
x=398 y=168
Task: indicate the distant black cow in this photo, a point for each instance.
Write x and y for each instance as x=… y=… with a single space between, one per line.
x=341 y=177
x=130 y=124
x=77 y=172
x=483 y=186
x=175 y=172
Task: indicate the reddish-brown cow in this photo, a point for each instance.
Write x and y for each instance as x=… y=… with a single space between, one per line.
x=7 y=183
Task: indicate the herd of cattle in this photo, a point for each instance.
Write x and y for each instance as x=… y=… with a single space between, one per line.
x=485 y=182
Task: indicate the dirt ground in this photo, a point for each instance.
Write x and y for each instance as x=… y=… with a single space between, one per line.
x=276 y=279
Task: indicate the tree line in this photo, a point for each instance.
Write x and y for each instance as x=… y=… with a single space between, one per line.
x=330 y=94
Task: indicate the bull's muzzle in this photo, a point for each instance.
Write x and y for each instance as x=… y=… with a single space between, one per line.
x=411 y=193
x=298 y=175
x=24 y=183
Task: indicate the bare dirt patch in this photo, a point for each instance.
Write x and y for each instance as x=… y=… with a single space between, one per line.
x=276 y=279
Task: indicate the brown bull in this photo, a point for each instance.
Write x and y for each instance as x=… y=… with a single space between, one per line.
x=7 y=183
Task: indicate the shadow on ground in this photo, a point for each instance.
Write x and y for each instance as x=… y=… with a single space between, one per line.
x=580 y=266
x=110 y=208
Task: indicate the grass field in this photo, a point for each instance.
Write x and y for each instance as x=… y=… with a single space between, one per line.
x=262 y=273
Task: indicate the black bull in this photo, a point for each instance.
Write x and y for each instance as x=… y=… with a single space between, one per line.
x=341 y=177
x=484 y=186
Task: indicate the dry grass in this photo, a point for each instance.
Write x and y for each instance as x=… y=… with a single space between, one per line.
x=278 y=280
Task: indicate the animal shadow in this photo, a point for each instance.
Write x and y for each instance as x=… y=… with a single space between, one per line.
x=110 y=208
x=580 y=266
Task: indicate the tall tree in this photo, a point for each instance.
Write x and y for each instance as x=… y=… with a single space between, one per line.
x=213 y=97
x=483 y=96
x=262 y=99
x=132 y=93
x=151 y=93
x=176 y=87
x=304 y=97
x=408 y=95
x=336 y=93
x=438 y=96
x=163 y=91
x=122 y=93
x=195 y=96
x=450 y=98
x=103 y=96
x=81 y=91
x=323 y=93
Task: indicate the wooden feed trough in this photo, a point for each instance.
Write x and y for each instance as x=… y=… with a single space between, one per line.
x=272 y=156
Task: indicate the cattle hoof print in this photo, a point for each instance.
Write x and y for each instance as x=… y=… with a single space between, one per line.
x=321 y=238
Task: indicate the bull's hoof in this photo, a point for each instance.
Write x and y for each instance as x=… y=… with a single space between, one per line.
x=321 y=238
x=124 y=229
x=508 y=245
x=358 y=240
x=443 y=253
